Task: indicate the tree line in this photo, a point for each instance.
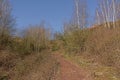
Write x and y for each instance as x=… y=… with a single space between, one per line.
x=33 y=39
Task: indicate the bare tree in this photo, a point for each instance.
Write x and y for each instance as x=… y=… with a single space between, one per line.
x=107 y=11
x=6 y=21
x=77 y=12
x=80 y=15
x=115 y=6
x=97 y=17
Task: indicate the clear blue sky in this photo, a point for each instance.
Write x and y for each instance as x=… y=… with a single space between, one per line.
x=53 y=12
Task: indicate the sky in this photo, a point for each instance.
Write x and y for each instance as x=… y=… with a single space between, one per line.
x=53 y=12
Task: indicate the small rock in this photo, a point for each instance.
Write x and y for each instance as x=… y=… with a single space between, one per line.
x=97 y=74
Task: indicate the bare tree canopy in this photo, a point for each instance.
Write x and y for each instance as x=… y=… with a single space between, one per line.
x=37 y=37
x=6 y=20
x=80 y=18
x=107 y=11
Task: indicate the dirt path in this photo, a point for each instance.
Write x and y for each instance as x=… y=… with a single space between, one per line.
x=70 y=71
x=65 y=71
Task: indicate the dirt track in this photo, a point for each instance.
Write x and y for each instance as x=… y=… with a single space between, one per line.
x=70 y=71
x=66 y=71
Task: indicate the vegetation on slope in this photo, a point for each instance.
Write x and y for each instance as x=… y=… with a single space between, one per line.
x=96 y=48
x=21 y=56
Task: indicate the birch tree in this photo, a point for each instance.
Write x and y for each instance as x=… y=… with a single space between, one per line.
x=98 y=17
x=80 y=18
x=108 y=11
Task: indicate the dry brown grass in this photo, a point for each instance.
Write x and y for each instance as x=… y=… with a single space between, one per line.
x=99 y=47
x=13 y=67
x=104 y=44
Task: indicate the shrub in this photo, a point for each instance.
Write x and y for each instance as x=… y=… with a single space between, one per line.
x=75 y=40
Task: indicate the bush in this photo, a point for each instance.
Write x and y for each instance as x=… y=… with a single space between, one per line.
x=75 y=40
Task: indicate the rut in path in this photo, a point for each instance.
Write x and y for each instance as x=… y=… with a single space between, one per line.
x=70 y=71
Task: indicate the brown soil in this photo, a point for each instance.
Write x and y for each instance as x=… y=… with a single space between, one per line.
x=70 y=71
